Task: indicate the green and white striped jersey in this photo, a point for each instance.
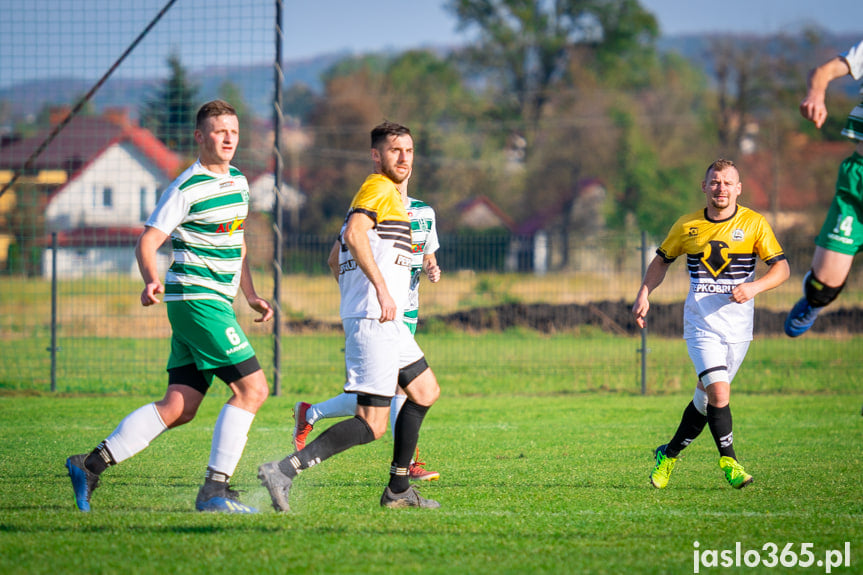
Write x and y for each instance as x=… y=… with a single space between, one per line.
x=204 y=213
x=424 y=241
x=854 y=124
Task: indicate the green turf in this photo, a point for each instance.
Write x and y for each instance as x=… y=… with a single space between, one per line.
x=469 y=364
x=531 y=483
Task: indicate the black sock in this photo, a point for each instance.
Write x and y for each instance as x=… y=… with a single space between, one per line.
x=691 y=425
x=406 y=434
x=99 y=459
x=343 y=435
x=719 y=420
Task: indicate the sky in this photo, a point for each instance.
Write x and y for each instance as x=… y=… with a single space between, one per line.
x=52 y=38
x=427 y=22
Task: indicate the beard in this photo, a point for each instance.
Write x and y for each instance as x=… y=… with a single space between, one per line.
x=720 y=203
x=390 y=172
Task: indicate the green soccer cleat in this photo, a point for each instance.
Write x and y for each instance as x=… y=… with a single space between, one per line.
x=734 y=473
x=662 y=470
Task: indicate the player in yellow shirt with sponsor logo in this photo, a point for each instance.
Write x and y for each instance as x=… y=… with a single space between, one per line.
x=721 y=243
x=374 y=269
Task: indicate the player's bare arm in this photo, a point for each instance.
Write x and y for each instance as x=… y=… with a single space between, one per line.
x=812 y=107
x=431 y=268
x=145 y=252
x=333 y=260
x=356 y=238
x=776 y=274
x=654 y=276
x=256 y=302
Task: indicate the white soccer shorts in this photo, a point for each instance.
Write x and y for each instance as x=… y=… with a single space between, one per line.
x=374 y=353
x=715 y=360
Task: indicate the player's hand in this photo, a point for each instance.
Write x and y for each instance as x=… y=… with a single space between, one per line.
x=388 y=307
x=639 y=310
x=813 y=109
x=433 y=272
x=148 y=296
x=743 y=293
x=263 y=307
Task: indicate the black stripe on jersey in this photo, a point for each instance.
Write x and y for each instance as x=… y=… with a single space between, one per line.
x=739 y=266
x=774 y=259
x=372 y=214
x=398 y=231
x=395 y=226
x=664 y=256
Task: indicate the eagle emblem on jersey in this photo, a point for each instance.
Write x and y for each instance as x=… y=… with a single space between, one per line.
x=715 y=258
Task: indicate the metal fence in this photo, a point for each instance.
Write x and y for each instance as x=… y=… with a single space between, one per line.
x=70 y=317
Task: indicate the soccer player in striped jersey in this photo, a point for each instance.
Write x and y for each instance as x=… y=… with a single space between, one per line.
x=721 y=244
x=841 y=236
x=374 y=266
x=424 y=244
x=203 y=212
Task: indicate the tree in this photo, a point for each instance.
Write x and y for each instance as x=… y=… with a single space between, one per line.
x=27 y=224
x=254 y=152
x=298 y=101
x=525 y=45
x=338 y=159
x=170 y=113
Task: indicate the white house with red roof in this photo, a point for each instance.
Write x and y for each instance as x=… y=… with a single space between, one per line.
x=115 y=173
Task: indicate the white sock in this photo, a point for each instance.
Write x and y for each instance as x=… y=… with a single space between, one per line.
x=342 y=405
x=135 y=432
x=229 y=438
x=395 y=407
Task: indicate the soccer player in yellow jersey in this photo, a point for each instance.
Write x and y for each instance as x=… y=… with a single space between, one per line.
x=374 y=268
x=721 y=244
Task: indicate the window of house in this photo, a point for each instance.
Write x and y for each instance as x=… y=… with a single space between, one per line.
x=107 y=197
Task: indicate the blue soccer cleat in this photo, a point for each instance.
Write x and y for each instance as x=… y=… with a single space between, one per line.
x=218 y=497
x=800 y=318
x=84 y=482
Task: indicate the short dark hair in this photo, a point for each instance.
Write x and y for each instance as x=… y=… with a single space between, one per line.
x=213 y=109
x=382 y=132
x=721 y=165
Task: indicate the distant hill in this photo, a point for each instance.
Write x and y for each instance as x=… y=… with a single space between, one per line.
x=255 y=81
x=696 y=49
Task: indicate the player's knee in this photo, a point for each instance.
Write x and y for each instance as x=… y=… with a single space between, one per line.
x=718 y=394
x=378 y=426
x=424 y=390
x=818 y=294
x=252 y=390
x=175 y=413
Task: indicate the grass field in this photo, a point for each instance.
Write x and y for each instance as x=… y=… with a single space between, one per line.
x=529 y=485
x=544 y=470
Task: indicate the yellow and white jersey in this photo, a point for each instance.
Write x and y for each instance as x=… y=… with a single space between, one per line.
x=719 y=256
x=390 y=240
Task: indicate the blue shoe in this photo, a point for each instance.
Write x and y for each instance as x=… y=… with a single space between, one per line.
x=800 y=318
x=223 y=505
x=220 y=498
x=84 y=482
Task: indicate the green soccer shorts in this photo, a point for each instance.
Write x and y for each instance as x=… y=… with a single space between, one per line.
x=206 y=333
x=843 y=227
